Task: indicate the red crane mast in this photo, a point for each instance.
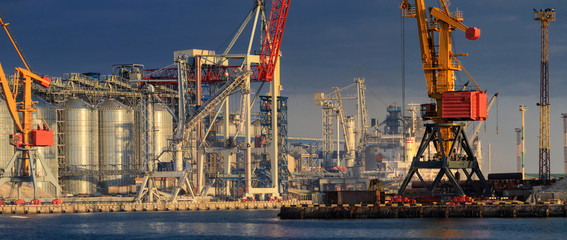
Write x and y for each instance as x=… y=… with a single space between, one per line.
x=264 y=71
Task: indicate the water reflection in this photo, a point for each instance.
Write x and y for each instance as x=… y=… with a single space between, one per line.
x=265 y=224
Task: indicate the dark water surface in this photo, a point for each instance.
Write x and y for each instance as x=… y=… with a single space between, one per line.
x=264 y=224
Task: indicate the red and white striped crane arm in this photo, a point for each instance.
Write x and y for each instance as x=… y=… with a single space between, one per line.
x=264 y=71
x=273 y=39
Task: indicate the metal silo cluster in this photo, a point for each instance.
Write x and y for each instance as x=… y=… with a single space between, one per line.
x=97 y=142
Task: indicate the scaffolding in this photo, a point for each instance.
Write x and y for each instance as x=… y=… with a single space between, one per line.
x=267 y=135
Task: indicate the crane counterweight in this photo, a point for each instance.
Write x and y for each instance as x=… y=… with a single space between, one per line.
x=472 y=33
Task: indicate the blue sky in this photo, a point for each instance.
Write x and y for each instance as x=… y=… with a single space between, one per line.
x=326 y=43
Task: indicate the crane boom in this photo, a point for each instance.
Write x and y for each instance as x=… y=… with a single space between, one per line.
x=362 y=115
x=24 y=125
x=438 y=66
x=5 y=25
x=273 y=39
x=262 y=71
x=341 y=116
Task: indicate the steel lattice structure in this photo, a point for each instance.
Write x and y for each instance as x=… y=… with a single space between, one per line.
x=544 y=17
x=268 y=133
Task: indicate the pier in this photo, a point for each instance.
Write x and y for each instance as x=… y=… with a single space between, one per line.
x=139 y=207
x=472 y=210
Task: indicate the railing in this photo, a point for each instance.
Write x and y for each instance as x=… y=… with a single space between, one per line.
x=409 y=13
x=458 y=15
x=91 y=170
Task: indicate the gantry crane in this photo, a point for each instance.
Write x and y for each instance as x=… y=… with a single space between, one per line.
x=439 y=64
x=25 y=161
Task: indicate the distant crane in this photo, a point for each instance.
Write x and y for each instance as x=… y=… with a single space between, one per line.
x=332 y=106
x=544 y=17
x=347 y=123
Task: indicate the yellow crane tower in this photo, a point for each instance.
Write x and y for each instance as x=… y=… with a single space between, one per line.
x=453 y=151
x=544 y=16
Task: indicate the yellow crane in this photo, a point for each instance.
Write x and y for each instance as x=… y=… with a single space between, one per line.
x=26 y=137
x=448 y=106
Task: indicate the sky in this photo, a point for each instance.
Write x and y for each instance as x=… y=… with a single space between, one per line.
x=326 y=43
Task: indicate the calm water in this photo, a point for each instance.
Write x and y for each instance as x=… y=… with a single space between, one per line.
x=264 y=224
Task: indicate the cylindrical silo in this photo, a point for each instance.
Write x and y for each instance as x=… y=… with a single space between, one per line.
x=164 y=131
x=370 y=154
x=81 y=145
x=47 y=115
x=116 y=124
x=6 y=128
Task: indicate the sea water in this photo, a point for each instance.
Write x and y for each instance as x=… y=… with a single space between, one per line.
x=265 y=224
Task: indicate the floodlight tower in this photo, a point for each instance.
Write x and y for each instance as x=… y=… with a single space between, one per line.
x=564 y=116
x=519 y=149
x=544 y=17
x=523 y=110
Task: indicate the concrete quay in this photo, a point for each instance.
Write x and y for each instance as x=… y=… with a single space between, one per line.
x=473 y=210
x=140 y=207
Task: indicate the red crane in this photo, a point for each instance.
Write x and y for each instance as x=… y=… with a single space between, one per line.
x=264 y=71
x=273 y=40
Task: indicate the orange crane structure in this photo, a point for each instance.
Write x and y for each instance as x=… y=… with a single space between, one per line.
x=453 y=151
x=23 y=167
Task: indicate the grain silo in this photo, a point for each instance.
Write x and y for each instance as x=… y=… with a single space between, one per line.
x=81 y=146
x=6 y=128
x=163 y=130
x=116 y=139
x=46 y=114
